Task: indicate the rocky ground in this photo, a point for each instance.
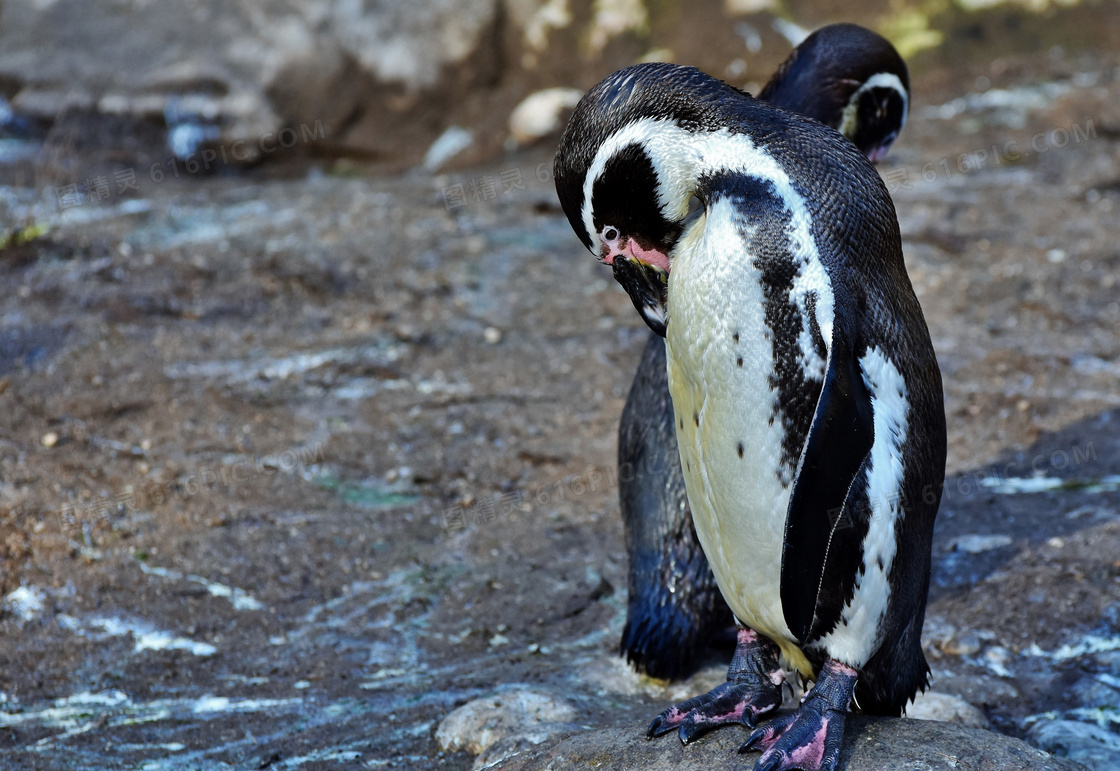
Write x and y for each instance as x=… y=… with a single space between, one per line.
x=293 y=466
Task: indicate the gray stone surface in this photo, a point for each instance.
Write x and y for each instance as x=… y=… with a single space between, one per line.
x=870 y=744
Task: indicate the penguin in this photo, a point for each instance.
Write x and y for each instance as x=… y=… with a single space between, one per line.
x=850 y=78
x=844 y=76
x=807 y=397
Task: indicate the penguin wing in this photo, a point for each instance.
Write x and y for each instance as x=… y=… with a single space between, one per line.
x=822 y=550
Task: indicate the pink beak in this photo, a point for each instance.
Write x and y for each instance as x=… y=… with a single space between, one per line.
x=633 y=250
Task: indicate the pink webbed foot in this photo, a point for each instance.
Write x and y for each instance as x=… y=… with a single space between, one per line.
x=810 y=738
x=753 y=689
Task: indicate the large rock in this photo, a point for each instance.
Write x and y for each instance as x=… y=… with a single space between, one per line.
x=240 y=70
x=870 y=744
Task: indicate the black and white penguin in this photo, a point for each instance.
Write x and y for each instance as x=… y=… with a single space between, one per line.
x=808 y=403
x=847 y=77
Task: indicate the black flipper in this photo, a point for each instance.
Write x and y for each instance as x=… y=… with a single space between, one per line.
x=826 y=520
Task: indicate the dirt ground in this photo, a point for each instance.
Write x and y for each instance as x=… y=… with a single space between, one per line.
x=290 y=468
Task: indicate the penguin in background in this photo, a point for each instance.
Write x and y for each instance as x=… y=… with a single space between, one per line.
x=844 y=76
x=806 y=396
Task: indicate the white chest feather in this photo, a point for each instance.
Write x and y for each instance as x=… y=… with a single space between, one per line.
x=720 y=366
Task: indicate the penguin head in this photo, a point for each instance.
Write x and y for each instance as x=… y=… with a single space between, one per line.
x=623 y=192
x=849 y=78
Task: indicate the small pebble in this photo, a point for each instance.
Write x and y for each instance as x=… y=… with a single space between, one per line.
x=978 y=544
x=492 y=335
x=539 y=114
x=49 y=439
x=997 y=658
x=962 y=644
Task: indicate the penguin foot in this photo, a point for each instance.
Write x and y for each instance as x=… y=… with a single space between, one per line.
x=810 y=738
x=753 y=689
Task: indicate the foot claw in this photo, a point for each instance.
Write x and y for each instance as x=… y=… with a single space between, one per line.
x=753 y=689
x=763 y=737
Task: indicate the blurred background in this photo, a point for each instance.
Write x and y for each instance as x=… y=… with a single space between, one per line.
x=310 y=394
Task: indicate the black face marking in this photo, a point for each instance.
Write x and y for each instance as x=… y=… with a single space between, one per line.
x=880 y=114
x=735 y=337
x=740 y=449
x=625 y=197
x=696 y=418
x=739 y=361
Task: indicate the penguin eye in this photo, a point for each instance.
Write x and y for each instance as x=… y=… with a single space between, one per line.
x=694 y=205
x=610 y=234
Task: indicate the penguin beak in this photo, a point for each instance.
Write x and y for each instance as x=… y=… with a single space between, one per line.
x=648 y=287
x=879 y=151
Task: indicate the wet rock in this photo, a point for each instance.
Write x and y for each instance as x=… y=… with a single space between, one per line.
x=1091 y=745
x=480 y=723
x=870 y=744
x=946 y=708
